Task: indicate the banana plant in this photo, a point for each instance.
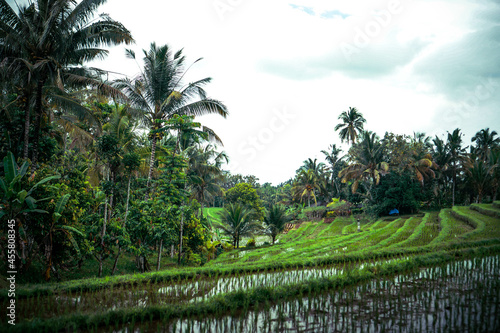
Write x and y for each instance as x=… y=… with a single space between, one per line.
x=67 y=230
x=15 y=199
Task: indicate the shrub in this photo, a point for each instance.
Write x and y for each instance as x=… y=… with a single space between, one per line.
x=227 y=246
x=313 y=213
x=251 y=243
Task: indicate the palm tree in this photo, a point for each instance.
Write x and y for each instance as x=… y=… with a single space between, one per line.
x=419 y=160
x=494 y=164
x=275 y=221
x=47 y=41
x=485 y=142
x=480 y=176
x=457 y=157
x=310 y=164
x=205 y=173
x=336 y=164
x=422 y=139
x=237 y=222
x=352 y=123
x=159 y=94
x=369 y=163
x=305 y=185
x=422 y=167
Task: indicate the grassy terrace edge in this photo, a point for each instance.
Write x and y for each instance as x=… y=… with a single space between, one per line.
x=210 y=272
x=249 y=298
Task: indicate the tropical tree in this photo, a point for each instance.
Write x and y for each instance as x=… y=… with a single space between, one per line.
x=305 y=185
x=335 y=164
x=351 y=125
x=237 y=221
x=368 y=163
x=485 y=143
x=275 y=221
x=182 y=125
x=204 y=173
x=244 y=194
x=310 y=164
x=47 y=42
x=480 y=177
x=457 y=156
x=158 y=93
x=494 y=164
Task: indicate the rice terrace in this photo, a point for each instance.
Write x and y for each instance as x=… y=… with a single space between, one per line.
x=132 y=201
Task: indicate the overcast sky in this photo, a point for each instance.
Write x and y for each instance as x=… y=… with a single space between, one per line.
x=287 y=69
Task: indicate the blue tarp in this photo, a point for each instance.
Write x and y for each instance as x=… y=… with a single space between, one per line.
x=394 y=211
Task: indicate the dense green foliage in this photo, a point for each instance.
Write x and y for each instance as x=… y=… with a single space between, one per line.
x=244 y=194
x=103 y=178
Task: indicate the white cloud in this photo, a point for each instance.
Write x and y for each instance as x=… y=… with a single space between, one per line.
x=269 y=55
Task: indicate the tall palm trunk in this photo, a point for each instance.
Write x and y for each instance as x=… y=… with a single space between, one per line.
x=453 y=187
x=177 y=146
x=111 y=197
x=26 y=101
x=201 y=209
x=128 y=198
x=151 y=164
x=37 y=121
x=103 y=233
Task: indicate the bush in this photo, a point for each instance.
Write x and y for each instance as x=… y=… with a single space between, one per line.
x=399 y=191
x=251 y=243
x=227 y=246
x=313 y=213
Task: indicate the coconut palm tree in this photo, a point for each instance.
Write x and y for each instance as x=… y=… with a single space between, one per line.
x=205 y=173
x=275 y=221
x=351 y=125
x=336 y=164
x=159 y=94
x=494 y=164
x=237 y=222
x=457 y=156
x=47 y=41
x=480 y=177
x=305 y=186
x=485 y=143
x=368 y=163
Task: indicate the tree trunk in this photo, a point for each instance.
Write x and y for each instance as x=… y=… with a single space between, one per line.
x=172 y=250
x=453 y=188
x=128 y=199
x=142 y=263
x=37 y=120
x=26 y=100
x=116 y=260
x=151 y=164
x=105 y=216
x=112 y=195
x=180 y=238
x=100 y=265
x=159 y=255
x=103 y=233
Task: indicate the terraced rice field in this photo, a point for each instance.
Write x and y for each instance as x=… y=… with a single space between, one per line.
x=433 y=272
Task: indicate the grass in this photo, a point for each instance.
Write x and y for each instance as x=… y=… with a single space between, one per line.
x=212 y=213
x=317 y=256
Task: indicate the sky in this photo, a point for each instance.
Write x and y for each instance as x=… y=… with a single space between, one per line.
x=287 y=69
